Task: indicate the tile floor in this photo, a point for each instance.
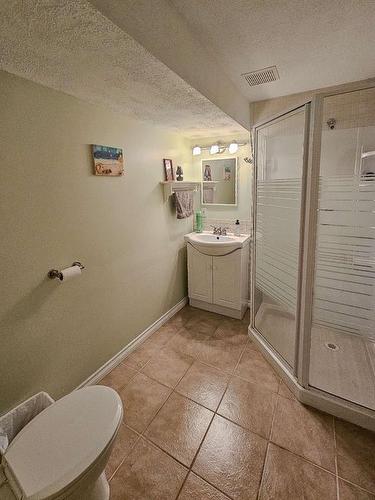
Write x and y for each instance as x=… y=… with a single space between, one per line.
x=207 y=418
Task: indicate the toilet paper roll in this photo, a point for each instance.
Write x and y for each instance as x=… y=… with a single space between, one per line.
x=69 y=273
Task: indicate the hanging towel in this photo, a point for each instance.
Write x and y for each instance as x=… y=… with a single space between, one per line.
x=184 y=204
x=208 y=194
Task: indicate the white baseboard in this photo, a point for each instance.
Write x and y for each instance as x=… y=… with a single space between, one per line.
x=225 y=311
x=121 y=355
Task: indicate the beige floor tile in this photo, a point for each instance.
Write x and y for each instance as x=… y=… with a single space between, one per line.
x=252 y=345
x=203 y=324
x=165 y=333
x=304 y=431
x=351 y=492
x=232 y=332
x=356 y=454
x=125 y=441
x=119 y=377
x=180 y=318
x=147 y=474
x=249 y=405
x=188 y=342
x=168 y=366
x=142 y=398
x=289 y=477
x=231 y=459
x=204 y=384
x=254 y=368
x=179 y=428
x=197 y=489
x=138 y=358
x=286 y=392
x=221 y=355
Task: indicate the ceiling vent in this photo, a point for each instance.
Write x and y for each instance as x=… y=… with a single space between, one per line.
x=261 y=76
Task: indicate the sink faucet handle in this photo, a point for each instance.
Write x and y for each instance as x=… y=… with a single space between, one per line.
x=215 y=229
x=224 y=230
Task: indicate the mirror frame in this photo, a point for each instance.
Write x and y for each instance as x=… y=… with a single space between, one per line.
x=235 y=158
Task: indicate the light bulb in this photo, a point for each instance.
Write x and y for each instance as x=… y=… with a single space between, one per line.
x=197 y=150
x=214 y=149
x=233 y=147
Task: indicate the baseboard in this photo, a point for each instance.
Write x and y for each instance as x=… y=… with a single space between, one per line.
x=225 y=311
x=121 y=355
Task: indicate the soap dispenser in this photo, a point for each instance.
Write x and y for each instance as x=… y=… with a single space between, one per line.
x=237 y=228
x=198 y=222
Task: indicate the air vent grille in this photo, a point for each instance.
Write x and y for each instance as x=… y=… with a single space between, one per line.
x=261 y=76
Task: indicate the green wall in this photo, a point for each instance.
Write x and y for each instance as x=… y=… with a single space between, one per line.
x=55 y=211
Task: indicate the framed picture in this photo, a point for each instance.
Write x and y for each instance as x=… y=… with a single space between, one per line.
x=168 y=168
x=107 y=160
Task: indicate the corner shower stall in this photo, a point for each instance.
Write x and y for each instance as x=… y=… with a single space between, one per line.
x=313 y=258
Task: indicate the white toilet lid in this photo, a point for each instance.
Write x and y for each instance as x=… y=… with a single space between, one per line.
x=62 y=442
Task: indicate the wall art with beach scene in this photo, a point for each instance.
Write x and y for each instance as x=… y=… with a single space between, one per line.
x=107 y=160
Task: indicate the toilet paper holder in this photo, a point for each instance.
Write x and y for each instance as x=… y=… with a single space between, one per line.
x=54 y=273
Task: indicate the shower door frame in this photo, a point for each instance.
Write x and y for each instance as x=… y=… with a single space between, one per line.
x=254 y=331
x=298 y=379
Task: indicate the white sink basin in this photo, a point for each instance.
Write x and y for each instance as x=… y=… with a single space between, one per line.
x=214 y=244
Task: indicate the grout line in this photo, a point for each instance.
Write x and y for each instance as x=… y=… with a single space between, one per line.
x=211 y=484
x=269 y=440
x=357 y=486
x=157 y=413
x=263 y=469
x=303 y=458
x=196 y=454
x=125 y=456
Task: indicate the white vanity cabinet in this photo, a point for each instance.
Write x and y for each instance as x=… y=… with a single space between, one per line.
x=219 y=283
x=199 y=275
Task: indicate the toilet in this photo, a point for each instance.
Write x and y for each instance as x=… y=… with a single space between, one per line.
x=63 y=451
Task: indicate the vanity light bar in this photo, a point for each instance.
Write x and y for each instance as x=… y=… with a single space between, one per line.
x=218 y=148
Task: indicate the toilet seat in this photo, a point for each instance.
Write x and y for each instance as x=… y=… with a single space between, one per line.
x=60 y=444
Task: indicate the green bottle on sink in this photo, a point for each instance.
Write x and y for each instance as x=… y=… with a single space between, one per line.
x=198 y=221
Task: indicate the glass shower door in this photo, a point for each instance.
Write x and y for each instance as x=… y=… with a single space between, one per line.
x=342 y=351
x=279 y=154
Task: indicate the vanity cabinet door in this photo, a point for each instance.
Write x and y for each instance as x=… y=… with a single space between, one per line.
x=199 y=275
x=227 y=280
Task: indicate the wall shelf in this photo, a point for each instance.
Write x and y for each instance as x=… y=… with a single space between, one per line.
x=170 y=187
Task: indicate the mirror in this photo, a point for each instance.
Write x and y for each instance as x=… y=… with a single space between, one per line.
x=219 y=181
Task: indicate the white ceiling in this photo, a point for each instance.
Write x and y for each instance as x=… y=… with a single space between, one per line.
x=69 y=46
x=313 y=43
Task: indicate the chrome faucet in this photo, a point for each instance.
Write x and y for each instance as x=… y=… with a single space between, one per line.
x=220 y=231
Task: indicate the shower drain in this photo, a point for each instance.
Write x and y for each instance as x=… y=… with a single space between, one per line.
x=330 y=345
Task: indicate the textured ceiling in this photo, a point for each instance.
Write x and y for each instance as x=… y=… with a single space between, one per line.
x=313 y=43
x=71 y=47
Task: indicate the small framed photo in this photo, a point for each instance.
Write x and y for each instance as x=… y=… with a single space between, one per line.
x=107 y=160
x=168 y=168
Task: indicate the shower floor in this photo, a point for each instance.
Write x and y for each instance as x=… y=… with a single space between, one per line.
x=347 y=371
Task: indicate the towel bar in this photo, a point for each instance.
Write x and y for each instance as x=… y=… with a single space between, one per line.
x=170 y=187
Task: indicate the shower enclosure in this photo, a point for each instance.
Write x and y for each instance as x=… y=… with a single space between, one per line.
x=313 y=258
